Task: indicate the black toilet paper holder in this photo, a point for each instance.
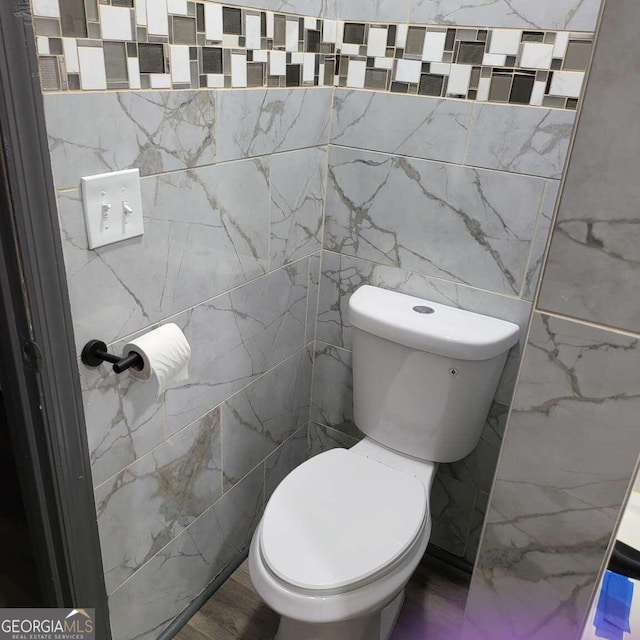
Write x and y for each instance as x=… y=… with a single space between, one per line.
x=94 y=353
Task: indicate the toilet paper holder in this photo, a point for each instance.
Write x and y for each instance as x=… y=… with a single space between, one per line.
x=95 y=353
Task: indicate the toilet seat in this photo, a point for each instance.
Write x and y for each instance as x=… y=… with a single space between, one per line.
x=339 y=521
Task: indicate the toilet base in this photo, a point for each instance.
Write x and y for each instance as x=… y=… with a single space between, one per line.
x=375 y=626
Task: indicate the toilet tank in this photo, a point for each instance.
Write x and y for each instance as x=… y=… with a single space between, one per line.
x=424 y=374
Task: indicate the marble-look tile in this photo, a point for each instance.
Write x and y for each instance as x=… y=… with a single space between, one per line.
x=154 y=131
x=332 y=393
x=263 y=121
x=341 y=276
x=237 y=337
x=478 y=468
x=577 y=15
x=258 y=419
x=145 y=506
x=297 y=204
x=451 y=507
x=520 y=139
x=321 y=439
x=124 y=419
x=206 y=231
x=322 y=8
x=144 y=605
x=422 y=127
x=289 y=455
x=469 y=299
x=593 y=267
x=570 y=448
x=467 y=225
x=476 y=527
x=374 y=10
x=540 y=239
x=315 y=264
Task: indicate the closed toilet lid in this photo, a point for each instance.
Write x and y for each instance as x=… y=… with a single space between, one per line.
x=339 y=519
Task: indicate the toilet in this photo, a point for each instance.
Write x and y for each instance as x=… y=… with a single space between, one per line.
x=342 y=533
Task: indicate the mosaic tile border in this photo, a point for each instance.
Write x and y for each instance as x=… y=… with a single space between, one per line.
x=180 y=44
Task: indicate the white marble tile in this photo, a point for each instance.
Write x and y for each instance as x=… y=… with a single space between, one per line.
x=238 y=70
x=115 y=23
x=157 y=17
x=160 y=80
x=377 y=42
x=332 y=395
x=505 y=41
x=374 y=10
x=124 y=419
x=520 y=139
x=567 y=83
x=206 y=231
x=264 y=121
x=180 y=64
x=314 y=289
x=466 y=225
x=422 y=127
x=569 y=450
x=289 y=455
x=252 y=31
x=152 y=131
x=459 y=78
x=321 y=439
x=356 y=73
x=258 y=419
x=93 y=74
x=144 y=605
x=408 y=70
x=213 y=21
x=341 y=275
x=434 y=43
x=536 y=55
x=577 y=15
x=540 y=239
x=70 y=49
x=297 y=204
x=247 y=332
x=145 y=506
x=46 y=8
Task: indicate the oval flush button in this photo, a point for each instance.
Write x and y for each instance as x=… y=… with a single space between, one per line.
x=422 y=309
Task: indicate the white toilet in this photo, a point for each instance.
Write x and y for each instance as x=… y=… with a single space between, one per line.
x=342 y=534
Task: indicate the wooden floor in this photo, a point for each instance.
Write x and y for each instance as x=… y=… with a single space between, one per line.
x=433 y=608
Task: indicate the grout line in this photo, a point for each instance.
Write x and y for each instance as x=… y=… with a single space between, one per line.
x=395 y=154
x=436 y=278
x=206 y=413
x=588 y=323
x=534 y=234
x=174 y=315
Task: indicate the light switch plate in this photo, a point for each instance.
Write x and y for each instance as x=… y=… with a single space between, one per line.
x=112 y=207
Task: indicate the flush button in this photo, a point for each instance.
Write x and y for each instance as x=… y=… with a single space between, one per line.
x=421 y=309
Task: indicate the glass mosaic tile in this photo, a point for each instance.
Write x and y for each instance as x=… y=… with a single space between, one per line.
x=428 y=60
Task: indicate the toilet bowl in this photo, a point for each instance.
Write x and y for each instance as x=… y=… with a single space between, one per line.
x=340 y=538
x=343 y=533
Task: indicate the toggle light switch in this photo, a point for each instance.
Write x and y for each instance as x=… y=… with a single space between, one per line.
x=112 y=207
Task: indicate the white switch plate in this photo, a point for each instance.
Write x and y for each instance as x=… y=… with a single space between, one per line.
x=112 y=207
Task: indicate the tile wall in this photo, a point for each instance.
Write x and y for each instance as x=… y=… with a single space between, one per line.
x=264 y=208
x=182 y=44
x=231 y=253
x=573 y=437
x=446 y=200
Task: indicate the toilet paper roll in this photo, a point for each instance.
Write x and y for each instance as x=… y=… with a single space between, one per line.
x=165 y=353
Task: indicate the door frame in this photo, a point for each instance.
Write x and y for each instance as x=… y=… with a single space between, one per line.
x=38 y=363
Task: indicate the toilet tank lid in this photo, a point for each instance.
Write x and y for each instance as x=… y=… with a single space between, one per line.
x=429 y=326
